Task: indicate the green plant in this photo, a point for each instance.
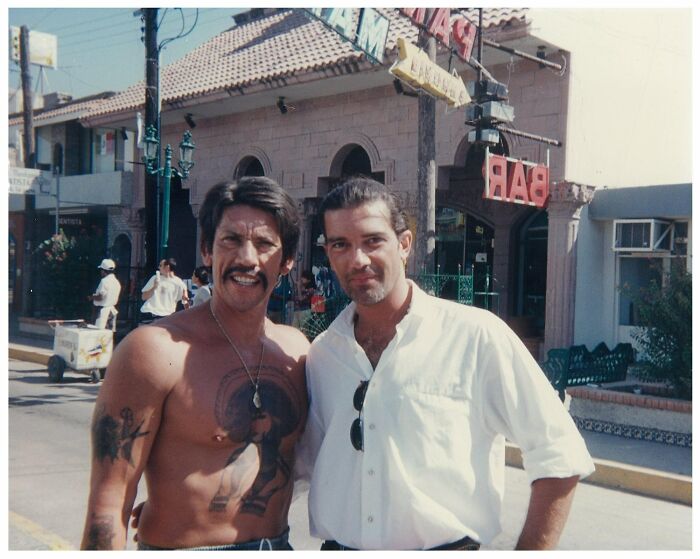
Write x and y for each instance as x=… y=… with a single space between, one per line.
x=68 y=274
x=665 y=329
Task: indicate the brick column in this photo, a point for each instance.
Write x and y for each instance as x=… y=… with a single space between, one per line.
x=564 y=211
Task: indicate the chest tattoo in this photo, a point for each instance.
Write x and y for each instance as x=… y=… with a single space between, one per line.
x=265 y=428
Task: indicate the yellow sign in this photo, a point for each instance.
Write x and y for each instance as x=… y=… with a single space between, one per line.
x=415 y=68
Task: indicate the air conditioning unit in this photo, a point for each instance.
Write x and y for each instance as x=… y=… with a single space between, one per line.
x=643 y=235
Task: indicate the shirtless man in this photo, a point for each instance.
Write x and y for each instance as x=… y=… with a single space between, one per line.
x=208 y=403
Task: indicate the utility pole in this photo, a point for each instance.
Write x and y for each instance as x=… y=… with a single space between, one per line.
x=29 y=163
x=427 y=170
x=152 y=118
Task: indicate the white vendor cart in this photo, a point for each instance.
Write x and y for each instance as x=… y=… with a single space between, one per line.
x=82 y=347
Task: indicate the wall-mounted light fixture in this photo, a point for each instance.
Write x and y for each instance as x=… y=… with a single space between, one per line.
x=282 y=106
x=541 y=54
x=398 y=87
x=125 y=136
x=190 y=121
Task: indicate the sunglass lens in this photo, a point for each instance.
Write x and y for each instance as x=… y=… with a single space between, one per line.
x=356 y=434
x=359 y=398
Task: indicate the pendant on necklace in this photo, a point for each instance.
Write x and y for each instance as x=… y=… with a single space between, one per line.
x=256 y=399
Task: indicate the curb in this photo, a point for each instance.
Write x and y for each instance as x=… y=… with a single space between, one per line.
x=25 y=353
x=614 y=475
x=626 y=477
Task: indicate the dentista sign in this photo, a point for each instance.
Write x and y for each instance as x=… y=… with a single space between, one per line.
x=507 y=180
x=462 y=30
x=415 y=68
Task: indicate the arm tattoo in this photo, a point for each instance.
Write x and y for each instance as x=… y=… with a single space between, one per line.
x=101 y=532
x=112 y=437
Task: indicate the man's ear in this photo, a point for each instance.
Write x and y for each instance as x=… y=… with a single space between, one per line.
x=206 y=256
x=287 y=266
x=405 y=244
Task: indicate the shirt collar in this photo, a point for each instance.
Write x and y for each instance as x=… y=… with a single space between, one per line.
x=419 y=308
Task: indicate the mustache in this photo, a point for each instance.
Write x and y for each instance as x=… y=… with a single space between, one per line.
x=228 y=272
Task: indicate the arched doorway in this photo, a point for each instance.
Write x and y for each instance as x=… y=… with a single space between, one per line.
x=250 y=166
x=182 y=242
x=121 y=254
x=351 y=160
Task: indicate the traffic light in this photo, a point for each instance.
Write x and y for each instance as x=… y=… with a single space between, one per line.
x=487 y=110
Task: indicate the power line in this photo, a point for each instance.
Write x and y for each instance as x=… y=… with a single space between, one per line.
x=66 y=48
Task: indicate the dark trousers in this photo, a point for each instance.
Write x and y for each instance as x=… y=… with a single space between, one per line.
x=465 y=544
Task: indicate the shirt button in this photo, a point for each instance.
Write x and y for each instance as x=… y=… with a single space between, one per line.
x=370 y=519
x=370 y=472
x=371 y=426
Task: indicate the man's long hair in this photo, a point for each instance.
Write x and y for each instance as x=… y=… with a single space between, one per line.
x=257 y=192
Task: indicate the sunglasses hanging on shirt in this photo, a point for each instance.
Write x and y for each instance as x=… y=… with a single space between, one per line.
x=357 y=437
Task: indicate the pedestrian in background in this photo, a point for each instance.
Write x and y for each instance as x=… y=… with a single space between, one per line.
x=412 y=398
x=302 y=304
x=278 y=308
x=200 y=278
x=162 y=292
x=106 y=295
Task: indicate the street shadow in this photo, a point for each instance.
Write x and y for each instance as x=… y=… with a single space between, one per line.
x=27 y=401
x=44 y=379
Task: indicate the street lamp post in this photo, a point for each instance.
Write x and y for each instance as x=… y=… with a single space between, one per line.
x=185 y=163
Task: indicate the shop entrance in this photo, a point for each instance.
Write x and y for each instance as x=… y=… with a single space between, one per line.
x=531 y=292
x=464 y=245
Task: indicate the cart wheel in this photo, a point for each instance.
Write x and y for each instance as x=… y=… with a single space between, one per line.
x=95 y=376
x=103 y=372
x=56 y=367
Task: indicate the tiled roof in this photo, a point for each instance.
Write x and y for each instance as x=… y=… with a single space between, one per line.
x=71 y=110
x=285 y=44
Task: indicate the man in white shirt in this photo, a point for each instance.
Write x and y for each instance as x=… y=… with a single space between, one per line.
x=162 y=292
x=412 y=398
x=107 y=293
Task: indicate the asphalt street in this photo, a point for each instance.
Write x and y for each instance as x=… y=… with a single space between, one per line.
x=49 y=480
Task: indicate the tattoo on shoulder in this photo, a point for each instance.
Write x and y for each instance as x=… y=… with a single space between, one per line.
x=114 y=438
x=101 y=533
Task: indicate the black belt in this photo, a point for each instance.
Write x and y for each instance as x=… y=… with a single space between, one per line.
x=465 y=544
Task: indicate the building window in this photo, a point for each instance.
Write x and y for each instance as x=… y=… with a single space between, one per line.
x=250 y=167
x=636 y=273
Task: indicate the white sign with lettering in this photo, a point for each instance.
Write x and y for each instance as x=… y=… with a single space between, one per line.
x=27 y=181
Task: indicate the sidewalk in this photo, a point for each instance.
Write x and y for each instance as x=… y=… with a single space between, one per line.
x=649 y=468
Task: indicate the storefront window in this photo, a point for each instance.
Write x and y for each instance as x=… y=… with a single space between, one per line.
x=635 y=274
x=464 y=243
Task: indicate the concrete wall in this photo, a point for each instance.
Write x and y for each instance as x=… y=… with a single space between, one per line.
x=630 y=93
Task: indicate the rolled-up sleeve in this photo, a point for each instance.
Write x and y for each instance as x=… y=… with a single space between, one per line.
x=521 y=404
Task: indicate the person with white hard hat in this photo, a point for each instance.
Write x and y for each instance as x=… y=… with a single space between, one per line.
x=107 y=294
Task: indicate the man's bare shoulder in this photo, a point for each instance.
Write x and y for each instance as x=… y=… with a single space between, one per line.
x=156 y=350
x=291 y=340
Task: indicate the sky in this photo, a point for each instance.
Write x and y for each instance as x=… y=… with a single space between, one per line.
x=100 y=49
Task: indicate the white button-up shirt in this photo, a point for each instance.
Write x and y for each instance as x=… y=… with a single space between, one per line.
x=453 y=382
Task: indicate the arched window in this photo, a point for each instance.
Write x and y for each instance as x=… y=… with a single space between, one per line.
x=476 y=154
x=250 y=167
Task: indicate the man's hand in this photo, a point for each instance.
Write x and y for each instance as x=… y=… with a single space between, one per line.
x=550 y=503
x=135 y=517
